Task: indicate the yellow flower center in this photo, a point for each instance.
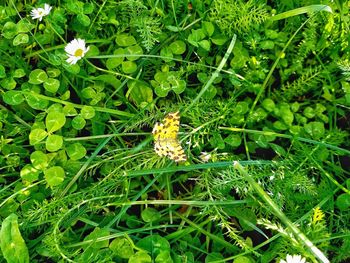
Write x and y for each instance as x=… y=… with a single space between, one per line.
x=41 y=13
x=79 y=52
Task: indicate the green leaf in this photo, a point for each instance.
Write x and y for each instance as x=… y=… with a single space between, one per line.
x=202 y=77
x=210 y=93
x=39 y=160
x=178 y=47
x=139 y=92
x=217 y=141
x=13 y=247
x=219 y=40
x=54 y=175
x=154 y=244
x=134 y=50
x=208 y=28
x=309 y=112
x=8 y=83
x=241 y=108
x=36 y=103
x=161 y=77
x=78 y=122
x=36 y=136
x=268 y=105
x=129 y=67
x=83 y=19
x=280 y=125
x=125 y=40
x=247 y=219
x=243 y=259
x=53 y=72
x=267 y=44
x=76 y=151
x=196 y=36
x=112 y=63
x=150 y=215
x=54 y=121
x=2 y=72
x=54 y=142
x=8 y=208
x=173 y=28
x=56 y=107
x=13 y=97
x=164 y=257
x=140 y=257
x=9 y=30
x=69 y=110
x=133 y=221
x=52 y=85
x=29 y=173
x=24 y=26
x=166 y=54
x=234 y=140
x=278 y=149
x=20 y=39
x=88 y=8
x=162 y=90
x=97 y=233
x=315 y=129
x=178 y=86
x=87 y=112
x=287 y=115
x=205 y=44
x=19 y=73
x=214 y=256
x=88 y=93
x=37 y=76
x=121 y=247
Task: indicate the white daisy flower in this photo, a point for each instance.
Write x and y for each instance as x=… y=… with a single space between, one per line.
x=293 y=259
x=39 y=13
x=76 y=49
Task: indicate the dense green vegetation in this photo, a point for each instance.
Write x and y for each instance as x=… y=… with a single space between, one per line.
x=263 y=93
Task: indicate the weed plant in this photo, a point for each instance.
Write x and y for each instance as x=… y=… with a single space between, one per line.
x=255 y=170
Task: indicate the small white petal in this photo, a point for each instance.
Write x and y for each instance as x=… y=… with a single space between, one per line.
x=70 y=49
x=293 y=259
x=47 y=8
x=75 y=50
x=72 y=60
x=39 y=13
x=80 y=42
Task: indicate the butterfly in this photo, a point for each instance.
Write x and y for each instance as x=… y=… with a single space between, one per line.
x=166 y=142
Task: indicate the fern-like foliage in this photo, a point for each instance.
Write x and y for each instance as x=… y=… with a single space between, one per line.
x=136 y=15
x=237 y=16
x=343 y=254
x=149 y=28
x=344 y=66
x=302 y=85
x=309 y=41
x=317 y=230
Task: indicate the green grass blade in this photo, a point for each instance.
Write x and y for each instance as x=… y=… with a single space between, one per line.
x=302 y=10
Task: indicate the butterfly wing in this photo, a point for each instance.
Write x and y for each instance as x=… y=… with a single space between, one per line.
x=159 y=134
x=165 y=138
x=175 y=151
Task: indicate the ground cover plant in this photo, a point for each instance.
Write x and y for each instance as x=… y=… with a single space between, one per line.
x=174 y=131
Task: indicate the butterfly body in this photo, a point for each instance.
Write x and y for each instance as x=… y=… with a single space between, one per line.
x=166 y=142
